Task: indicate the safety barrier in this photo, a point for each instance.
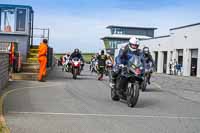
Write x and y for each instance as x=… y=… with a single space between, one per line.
x=50 y=57
x=4 y=67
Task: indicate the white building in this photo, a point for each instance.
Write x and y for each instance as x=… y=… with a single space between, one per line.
x=183 y=44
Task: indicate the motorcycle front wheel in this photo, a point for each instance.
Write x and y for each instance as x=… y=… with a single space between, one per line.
x=75 y=72
x=132 y=94
x=144 y=84
x=114 y=95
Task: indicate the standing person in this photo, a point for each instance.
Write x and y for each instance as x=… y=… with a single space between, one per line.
x=101 y=64
x=170 y=67
x=193 y=69
x=174 y=67
x=178 y=68
x=42 y=58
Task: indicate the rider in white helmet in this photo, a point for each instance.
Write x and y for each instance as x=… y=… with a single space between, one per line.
x=133 y=44
x=127 y=51
x=125 y=54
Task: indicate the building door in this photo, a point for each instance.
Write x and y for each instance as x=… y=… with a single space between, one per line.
x=194 y=58
x=180 y=56
x=165 y=62
x=156 y=60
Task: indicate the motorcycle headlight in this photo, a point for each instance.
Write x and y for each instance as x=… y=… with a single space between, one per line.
x=141 y=68
x=75 y=63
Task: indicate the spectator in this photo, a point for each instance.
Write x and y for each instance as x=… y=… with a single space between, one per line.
x=174 y=67
x=170 y=67
x=178 y=69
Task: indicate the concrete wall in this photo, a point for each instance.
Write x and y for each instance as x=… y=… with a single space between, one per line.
x=4 y=64
x=186 y=38
x=22 y=41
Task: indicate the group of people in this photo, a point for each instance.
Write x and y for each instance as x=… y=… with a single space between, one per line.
x=175 y=68
x=127 y=52
x=101 y=63
x=65 y=61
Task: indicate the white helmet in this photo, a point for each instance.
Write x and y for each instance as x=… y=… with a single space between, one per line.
x=133 y=44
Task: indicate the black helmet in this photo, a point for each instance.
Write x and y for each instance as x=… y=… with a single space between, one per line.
x=146 y=50
x=102 y=51
x=76 y=50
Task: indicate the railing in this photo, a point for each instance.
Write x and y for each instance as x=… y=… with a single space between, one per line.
x=5 y=46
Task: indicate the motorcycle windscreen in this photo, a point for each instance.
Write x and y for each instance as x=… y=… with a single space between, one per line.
x=135 y=62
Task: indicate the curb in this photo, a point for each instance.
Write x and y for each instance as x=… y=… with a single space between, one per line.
x=3 y=126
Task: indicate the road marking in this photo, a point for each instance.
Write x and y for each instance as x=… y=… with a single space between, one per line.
x=3 y=125
x=157 y=85
x=108 y=115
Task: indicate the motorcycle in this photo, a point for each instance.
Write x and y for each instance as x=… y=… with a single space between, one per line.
x=128 y=82
x=147 y=75
x=76 y=67
x=93 y=66
x=108 y=70
x=109 y=66
x=66 y=66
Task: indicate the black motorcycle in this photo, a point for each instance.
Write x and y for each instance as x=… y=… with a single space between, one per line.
x=128 y=82
x=147 y=75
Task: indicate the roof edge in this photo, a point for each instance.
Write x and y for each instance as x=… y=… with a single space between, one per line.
x=181 y=27
x=156 y=37
x=13 y=5
x=117 y=26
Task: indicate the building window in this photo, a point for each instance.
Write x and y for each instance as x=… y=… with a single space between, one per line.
x=117 y=31
x=7 y=20
x=180 y=56
x=21 y=20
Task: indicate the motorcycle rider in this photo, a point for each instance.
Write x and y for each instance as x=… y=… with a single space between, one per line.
x=101 y=64
x=110 y=59
x=125 y=54
x=76 y=54
x=109 y=65
x=66 y=60
x=149 y=62
x=92 y=62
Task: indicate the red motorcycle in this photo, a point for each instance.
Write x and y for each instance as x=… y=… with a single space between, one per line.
x=76 y=67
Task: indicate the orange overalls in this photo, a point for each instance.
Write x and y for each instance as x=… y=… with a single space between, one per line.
x=12 y=53
x=42 y=52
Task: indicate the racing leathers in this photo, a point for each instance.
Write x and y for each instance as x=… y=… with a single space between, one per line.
x=101 y=65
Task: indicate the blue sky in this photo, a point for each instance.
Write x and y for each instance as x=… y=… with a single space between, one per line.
x=81 y=23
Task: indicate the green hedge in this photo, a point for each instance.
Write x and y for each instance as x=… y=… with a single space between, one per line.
x=87 y=56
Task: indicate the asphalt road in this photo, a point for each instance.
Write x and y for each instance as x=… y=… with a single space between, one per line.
x=64 y=105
